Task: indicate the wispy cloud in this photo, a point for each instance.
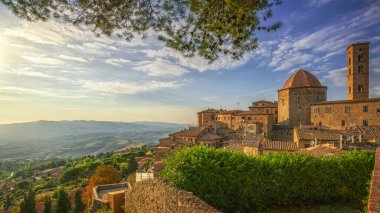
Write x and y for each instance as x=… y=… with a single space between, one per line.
x=161 y=68
x=119 y=62
x=118 y=87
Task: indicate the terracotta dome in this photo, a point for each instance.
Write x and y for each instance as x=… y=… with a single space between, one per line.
x=302 y=78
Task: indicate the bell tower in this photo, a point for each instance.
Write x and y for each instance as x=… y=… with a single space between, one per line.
x=358 y=71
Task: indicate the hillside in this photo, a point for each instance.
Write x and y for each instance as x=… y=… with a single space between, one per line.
x=45 y=139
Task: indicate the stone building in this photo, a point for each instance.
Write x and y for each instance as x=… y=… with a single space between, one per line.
x=294 y=99
x=207 y=115
x=358 y=71
x=265 y=107
x=359 y=109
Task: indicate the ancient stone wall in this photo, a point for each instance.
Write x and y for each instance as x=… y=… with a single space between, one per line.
x=342 y=115
x=158 y=196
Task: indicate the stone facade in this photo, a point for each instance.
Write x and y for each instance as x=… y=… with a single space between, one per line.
x=206 y=116
x=347 y=113
x=294 y=104
x=358 y=71
x=158 y=196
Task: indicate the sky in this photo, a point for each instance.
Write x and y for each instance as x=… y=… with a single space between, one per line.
x=55 y=71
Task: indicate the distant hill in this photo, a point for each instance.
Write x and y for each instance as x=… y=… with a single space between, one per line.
x=46 y=139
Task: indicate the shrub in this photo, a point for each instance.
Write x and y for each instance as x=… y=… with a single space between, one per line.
x=235 y=182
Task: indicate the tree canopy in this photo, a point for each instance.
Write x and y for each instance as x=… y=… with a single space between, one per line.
x=208 y=28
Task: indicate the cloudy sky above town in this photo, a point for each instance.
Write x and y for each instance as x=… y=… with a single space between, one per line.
x=54 y=71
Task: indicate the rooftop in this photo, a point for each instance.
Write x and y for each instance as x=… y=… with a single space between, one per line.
x=302 y=78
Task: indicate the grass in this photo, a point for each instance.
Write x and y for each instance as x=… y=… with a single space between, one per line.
x=332 y=208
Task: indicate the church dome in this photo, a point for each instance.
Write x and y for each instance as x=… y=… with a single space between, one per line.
x=302 y=78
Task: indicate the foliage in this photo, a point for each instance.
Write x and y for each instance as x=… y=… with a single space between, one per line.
x=63 y=202
x=103 y=175
x=207 y=28
x=79 y=205
x=132 y=164
x=235 y=182
x=48 y=207
x=28 y=205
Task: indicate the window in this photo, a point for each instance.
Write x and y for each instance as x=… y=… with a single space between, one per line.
x=365 y=108
x=360 y=88
x=316 y=110
x=343 y=123
x=360 y=69
x=349 y=89
x=249 y=118
x=328 y=110
x=320 y=123
x=365 y=123
x=378 y=110
x=347 y=109
x=360 y=58
x=349 y=61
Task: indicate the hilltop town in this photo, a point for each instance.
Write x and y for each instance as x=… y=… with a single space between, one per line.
x=302 y=118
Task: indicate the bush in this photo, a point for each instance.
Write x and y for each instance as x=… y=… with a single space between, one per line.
x=235 y=182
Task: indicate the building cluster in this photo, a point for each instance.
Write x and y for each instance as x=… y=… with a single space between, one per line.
x=301 y=118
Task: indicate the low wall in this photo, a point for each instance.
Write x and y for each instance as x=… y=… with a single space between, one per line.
x=374 y=193
x=157 y=196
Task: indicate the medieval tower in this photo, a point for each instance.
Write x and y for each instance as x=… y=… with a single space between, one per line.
x=358 y=71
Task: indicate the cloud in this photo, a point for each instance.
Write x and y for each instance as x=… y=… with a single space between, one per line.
x=118 y=87
x=319 y=3
x=119 y=62
x=42 y=59
x=299 y=51
x=337 y=76
x=161 y=67
x=73 y=58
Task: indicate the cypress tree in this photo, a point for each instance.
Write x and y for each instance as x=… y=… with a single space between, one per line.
x=79 y=205
x=63 y=202
x=28 y=205
x=48 y=207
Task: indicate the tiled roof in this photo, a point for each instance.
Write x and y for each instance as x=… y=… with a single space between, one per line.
x=209 y=110
x=367 y=132
x=280 y=145
x=253 y=113
x=322 y=150
x=347 y=101
x=210 y=137
x=320 y=134
x=168 y=142
x=302 y=78
x=190 y=132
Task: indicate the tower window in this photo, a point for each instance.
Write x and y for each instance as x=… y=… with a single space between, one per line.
x=360 y=58
x=316 y=110
x=360 y=88
x=347 y=109
x=349 y=89
x=342 y=123
x=365 y=123
x=365 y=108
x=349 y=61
x=360 y=69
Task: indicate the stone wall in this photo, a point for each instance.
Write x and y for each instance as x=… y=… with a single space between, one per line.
x=294 y=104
x=374 y=193
x=157 y=196
x=334 y=115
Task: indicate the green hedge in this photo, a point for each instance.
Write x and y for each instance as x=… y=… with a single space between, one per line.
x=235 y=182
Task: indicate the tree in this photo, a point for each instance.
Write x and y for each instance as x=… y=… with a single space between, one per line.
x=148 y=165
x=207 y=28
x=132 y=164
x=79 y=205
x=63 y=202
x=8 y=202
x=48 y=207
x=28 y=205
x=106 y=174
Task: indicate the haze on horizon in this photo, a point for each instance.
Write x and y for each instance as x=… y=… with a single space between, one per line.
x=55 y=71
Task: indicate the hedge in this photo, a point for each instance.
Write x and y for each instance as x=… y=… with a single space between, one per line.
x=235 y=182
